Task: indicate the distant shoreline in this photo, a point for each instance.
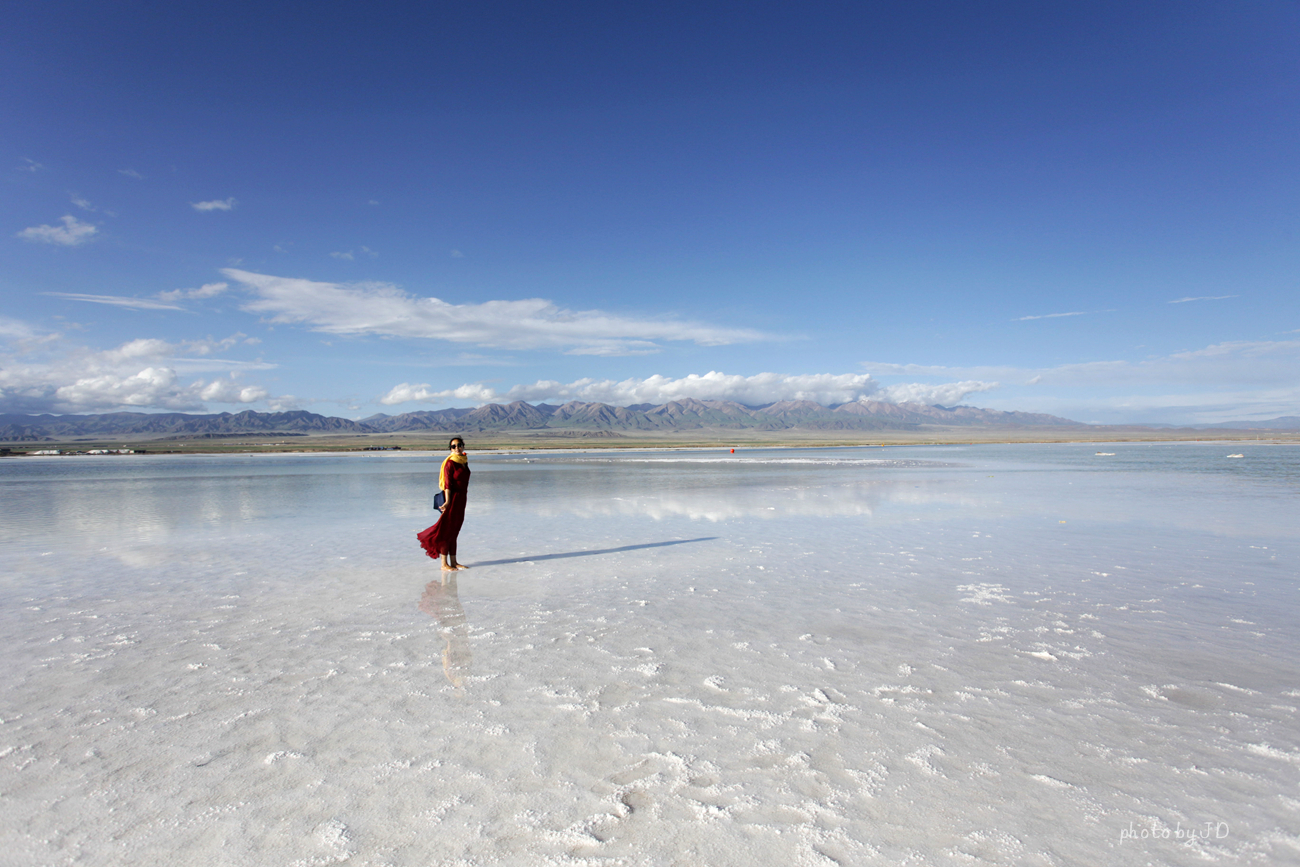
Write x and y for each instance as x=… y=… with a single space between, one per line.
x=285 y=442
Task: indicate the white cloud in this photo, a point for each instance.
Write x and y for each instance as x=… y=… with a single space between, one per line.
x=16 y=330
x=385 y=310
x=1224 y=381
x=1204 y=298
x=230 y=391
x=114 y=300
x=82 y=203
x=944 y=394
x=47 y=375
x=351 y=255
x=207 y=290
x=131 y=173
x=763 y=388
x=32 y=166
x=72 y=233
x=473 y=393
x=456 y=254
x=1050 y=316
x=283 y=403
x=1222 y=364
x=214 y=205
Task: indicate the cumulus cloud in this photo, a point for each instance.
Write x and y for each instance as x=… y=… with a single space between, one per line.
x=207 y=290
x=944 y=394
x=385 y=310
x=114 y=300
x=214 y=205
x=48 y=375
x=72 y=233
x=230 y=391
x=82 y=203
x=131 y=173
x=471 y=393
x=348 y=256
x=151 y=386
x=763 y=388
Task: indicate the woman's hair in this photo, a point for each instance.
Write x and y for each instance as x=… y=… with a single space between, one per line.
x=451 y=443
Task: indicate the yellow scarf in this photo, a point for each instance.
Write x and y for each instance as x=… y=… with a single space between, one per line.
x=442 y=471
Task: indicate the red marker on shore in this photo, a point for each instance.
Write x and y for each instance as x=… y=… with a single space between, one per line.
x=733 y=451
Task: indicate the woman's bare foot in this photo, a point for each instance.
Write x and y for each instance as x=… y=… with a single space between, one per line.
x=460 y=566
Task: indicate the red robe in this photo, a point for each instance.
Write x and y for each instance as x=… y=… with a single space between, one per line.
x=441 y=537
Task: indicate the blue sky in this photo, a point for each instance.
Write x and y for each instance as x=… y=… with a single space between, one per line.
x=1082 y=209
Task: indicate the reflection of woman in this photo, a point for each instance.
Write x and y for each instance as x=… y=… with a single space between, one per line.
x=441 y=602
x=440 y=539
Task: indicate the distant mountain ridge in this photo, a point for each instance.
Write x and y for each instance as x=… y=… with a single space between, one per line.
x=692 y=414
x=1286 y=422
x=16 y=427
x=686 y=414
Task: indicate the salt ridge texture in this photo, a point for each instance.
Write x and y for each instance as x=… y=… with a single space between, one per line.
x=981 y=655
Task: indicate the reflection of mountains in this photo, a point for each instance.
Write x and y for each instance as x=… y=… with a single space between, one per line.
x=119 y=503
x=720 y=504
x=120 y=506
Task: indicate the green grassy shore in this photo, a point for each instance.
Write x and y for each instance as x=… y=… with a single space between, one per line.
x=706 y=438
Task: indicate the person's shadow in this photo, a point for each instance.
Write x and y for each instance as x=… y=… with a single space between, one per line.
x=441 y=602
x=592 y=553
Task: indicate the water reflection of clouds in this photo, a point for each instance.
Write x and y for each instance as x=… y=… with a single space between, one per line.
x=126 y=509
x=136 y=509
x=780 y=501
x=837 y=462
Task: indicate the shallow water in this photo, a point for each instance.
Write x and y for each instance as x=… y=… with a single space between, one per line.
x=941 y=655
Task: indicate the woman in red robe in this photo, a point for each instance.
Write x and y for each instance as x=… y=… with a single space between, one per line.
x=453 y=479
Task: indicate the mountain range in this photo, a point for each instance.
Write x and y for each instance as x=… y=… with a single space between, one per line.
x=1286 y=422
x=574 y=416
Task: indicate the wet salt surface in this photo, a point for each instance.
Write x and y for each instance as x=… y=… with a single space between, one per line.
x=993 y=654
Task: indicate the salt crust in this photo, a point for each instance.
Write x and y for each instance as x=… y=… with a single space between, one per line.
x=195 y=674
